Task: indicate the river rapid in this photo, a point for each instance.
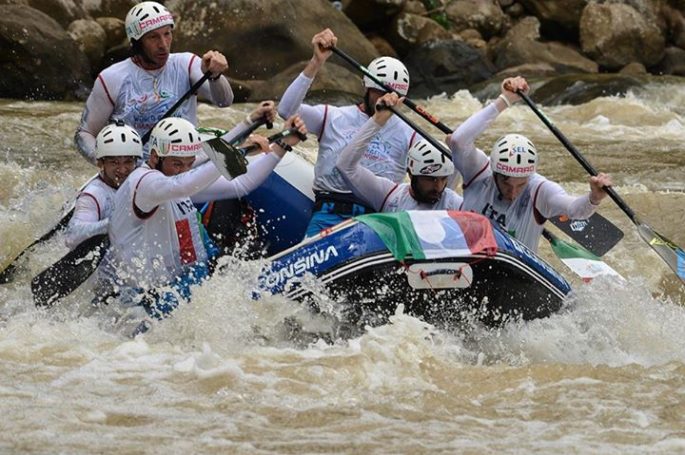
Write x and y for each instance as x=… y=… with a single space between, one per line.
x=604 y=375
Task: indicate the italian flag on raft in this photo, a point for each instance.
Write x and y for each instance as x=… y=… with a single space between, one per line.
x=432 y=234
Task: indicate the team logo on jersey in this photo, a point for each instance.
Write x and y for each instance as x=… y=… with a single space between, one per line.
x=377 y=150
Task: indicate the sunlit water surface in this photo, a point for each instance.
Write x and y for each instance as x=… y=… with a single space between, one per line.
x=604 y=375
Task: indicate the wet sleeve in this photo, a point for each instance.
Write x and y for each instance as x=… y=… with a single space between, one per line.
x=553 y=201
x=236 y=131
x=85 y=222
x=157 y=188
x=96 y=115
x=218 y=92
x=364 y=184
x=257 y=172
x=468 y=159
x=291 y=104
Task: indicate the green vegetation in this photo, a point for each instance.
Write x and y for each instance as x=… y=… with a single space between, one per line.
x=436 y=11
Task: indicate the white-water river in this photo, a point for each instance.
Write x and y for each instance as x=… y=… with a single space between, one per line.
x=604 y=375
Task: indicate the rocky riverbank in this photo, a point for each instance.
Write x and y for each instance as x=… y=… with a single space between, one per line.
x=53 y=49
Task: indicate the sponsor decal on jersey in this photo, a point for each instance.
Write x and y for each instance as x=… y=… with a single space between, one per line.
x=377 y=150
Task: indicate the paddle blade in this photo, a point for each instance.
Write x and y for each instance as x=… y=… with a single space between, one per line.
x=671 y=253
x=228 y=159
x=596 y=234
x=582 y=262
x=70 y=272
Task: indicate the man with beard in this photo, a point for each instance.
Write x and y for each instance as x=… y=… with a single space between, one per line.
x=142 y=88
x=386 y=152
x=427 y=167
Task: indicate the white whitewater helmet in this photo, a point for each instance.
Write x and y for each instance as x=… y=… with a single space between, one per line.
x=514 y=155
x=390 y=72
x=175 y=137
x=424 y=159
x=118 y=140
x=145 y=17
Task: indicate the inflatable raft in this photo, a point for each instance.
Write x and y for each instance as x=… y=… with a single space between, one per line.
x=442 y=266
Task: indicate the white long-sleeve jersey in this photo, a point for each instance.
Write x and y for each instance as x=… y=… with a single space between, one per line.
x=380 y=193
x=140 y=98
x=155 y=230
x=523 y=217
x=92 y=210
x=385 y=154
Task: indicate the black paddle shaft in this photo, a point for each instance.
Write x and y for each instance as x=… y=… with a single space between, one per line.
x=672 y=254
x=7 y=275
x=193 y=89
x=596 y=240
x=418 y=129
x=409 y=103
x=275 y=137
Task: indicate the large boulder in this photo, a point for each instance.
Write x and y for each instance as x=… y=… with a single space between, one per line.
x=38 y=59
x=91 y=39
x=410 y=30
x=258 y=44
x=63 y=11
x=570 y=88
x=114 y=29
x=521 y=46
x=333 y=84
x=675 y=25
x=583 y=88
x=371 y=15
x=563 y=13
x=615 y=34
x=486 y=16
x=109 y=8
x=672 y=63
x=445 y=66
